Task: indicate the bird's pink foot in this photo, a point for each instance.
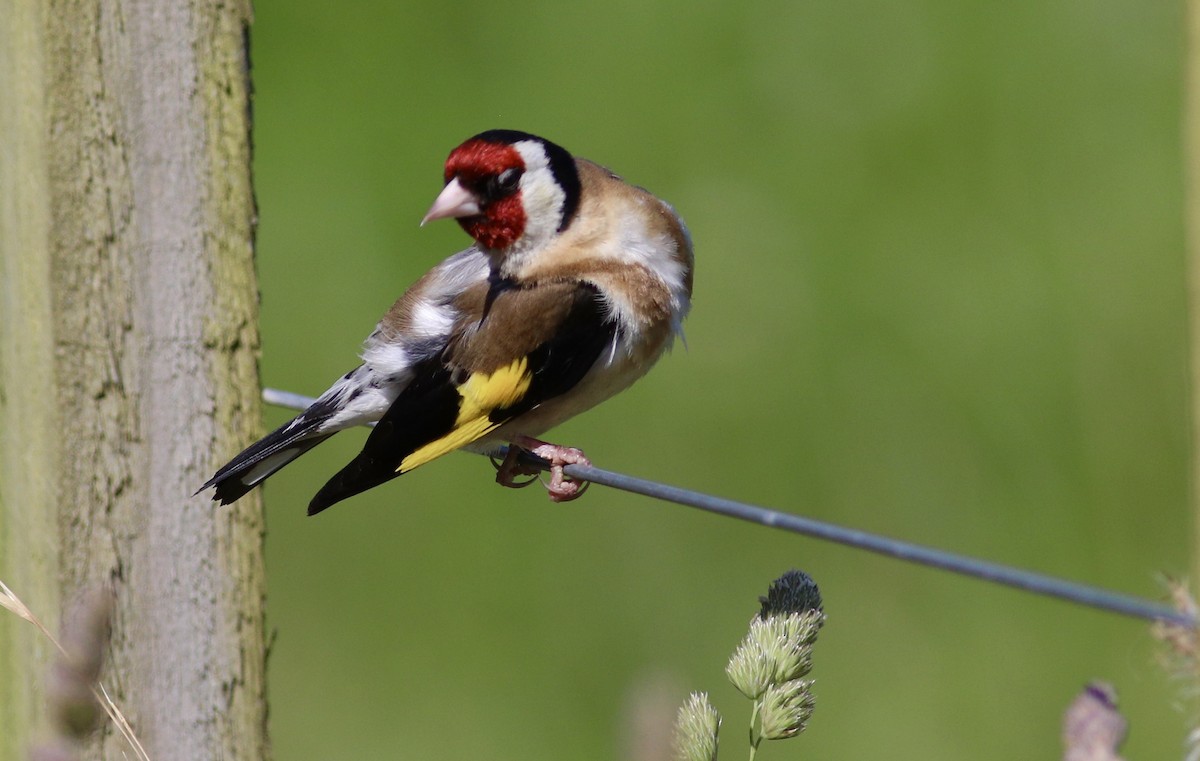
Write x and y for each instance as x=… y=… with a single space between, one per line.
x=561 y=488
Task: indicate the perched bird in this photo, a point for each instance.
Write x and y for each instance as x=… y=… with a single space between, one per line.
x=575 y=285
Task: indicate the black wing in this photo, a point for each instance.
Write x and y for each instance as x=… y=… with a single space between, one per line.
x=505 y=368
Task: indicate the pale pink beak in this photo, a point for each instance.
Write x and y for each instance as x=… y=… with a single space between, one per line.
x=453 y=201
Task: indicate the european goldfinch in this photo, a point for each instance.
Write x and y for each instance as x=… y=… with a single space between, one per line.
x=576 y=284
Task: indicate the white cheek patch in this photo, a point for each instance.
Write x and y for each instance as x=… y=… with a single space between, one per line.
x=541 y=196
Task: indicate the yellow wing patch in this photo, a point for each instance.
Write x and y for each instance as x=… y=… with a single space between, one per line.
x=481 y=393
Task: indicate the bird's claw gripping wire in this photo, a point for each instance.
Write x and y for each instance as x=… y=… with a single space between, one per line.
x=509 y=468
x=560 y=487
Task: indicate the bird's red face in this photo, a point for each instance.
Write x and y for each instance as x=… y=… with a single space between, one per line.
x=483 y=192
x=511 y=191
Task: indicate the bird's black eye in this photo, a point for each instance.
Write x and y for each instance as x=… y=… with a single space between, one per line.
x=505 y=183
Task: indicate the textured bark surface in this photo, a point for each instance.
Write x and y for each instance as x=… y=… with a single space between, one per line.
x=129 y=370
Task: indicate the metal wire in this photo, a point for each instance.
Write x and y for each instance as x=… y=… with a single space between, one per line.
x=1029 y=581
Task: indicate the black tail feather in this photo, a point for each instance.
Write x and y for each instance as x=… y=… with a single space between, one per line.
x=232 y=487
x=284 y=444
x=362 y=473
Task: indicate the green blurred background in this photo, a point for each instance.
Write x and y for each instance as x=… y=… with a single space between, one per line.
x=939 y=295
